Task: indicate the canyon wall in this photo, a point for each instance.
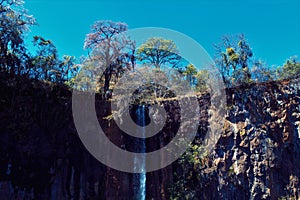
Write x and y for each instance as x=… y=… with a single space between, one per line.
x=41 y=156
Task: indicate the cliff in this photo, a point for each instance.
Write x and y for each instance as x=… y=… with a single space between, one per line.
x=258 y=154
x=41 y=156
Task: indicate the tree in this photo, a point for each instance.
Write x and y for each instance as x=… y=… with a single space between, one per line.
x=190 y=73
x=261 y=73
x=14 y=22
x=202 y=78
x=85 y=80
x=234 y=60
x=290 y=69
x=159 y=51
x=68 y=67
x=110 y=48
x=45 y=62
x=188 y=173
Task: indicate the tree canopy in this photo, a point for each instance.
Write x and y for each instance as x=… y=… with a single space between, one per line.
x=234 y=59
x=158 y=52
x=111 y=50
x=290 y=69
x=14 y=22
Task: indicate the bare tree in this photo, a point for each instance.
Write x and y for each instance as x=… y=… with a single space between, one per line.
x=110 y=49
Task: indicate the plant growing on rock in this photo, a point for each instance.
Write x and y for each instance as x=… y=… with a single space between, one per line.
x=290 y=69
x=234 y=59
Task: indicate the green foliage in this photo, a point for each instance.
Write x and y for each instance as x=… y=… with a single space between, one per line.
x=235 y=63
x=290 y=69
x=15 y=59
x=69 y=69
x=241 y=76
x=110 y=48
x=159 y=52
x=46 y=65
x=238 y=66
x=190 y=72
x=233 y=57
x=260 y=73
x=45 y=61
x=202 y=78
x=188 y=175
x=14 y=22
x=85 y=80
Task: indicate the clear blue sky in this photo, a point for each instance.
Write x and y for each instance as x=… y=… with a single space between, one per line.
x=271 y=26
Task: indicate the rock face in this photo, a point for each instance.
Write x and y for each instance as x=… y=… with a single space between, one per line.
x=258 y=154
x=41 y=156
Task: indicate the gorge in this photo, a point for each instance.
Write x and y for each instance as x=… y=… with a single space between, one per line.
x=257 y=156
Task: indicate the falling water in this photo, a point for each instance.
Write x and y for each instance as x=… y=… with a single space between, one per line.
x=140 y=179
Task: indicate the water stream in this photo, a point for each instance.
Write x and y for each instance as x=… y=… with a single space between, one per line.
x=140 y=178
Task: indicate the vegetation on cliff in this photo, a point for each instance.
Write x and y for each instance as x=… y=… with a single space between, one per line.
x=41 y=155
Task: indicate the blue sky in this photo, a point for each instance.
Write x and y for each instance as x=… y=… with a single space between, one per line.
x=271 y=27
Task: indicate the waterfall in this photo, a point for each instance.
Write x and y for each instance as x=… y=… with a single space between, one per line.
x=139 y=180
